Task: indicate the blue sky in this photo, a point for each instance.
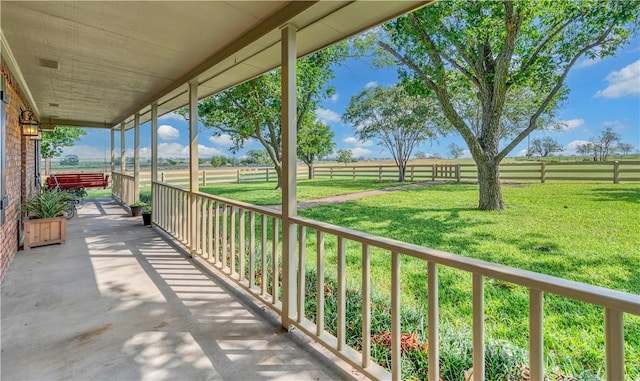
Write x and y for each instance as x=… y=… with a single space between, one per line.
x=603 y=93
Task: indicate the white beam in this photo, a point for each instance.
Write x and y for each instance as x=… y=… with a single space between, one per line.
x=122 y=153
x=113 y=152
x=289 y=169
x=154 y=143
x=136 y=158
x=193 y=163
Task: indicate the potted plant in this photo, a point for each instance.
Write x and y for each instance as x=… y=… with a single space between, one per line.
x=137 y=208
x=146 y=216
x=45 y=223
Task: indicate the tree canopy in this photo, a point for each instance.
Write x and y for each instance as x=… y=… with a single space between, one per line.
x=398 y=121
x=494 y=50
x=545 y=146
x=315 y=140
x=252 y=110
x=54 y=141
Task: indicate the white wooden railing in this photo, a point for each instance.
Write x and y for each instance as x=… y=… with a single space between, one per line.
x=123 y=187
x=230 y=233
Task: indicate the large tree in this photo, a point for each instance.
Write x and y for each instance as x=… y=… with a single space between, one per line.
x=252 y=110
x=398 y=121
x=53 y=142
x=496 y=49
x=604 y=144
x=315 y=140
x=546 y=146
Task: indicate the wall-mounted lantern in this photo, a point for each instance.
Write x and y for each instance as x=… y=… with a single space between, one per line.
x=29 y=123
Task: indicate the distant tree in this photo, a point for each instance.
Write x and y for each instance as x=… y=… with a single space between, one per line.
x=436 y=156
x=545 y=146
x=257 y=157
x=315 y=140
x=420 y=155
x=70 y=160
x=344 y=156
x=625 y=148
x=493 y=49
x=218 y=160
x=54 y=141
x=604 y=144
x=398 y=121
x=455 y=151
x=170 y=162
x=584 y=149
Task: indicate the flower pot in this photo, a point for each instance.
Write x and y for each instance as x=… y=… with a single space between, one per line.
x=137 y=210
x=44 y=231
x=146 y=219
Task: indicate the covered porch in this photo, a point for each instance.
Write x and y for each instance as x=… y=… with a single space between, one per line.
x=121 y=301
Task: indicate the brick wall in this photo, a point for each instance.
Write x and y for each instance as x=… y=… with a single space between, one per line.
x=19 y=172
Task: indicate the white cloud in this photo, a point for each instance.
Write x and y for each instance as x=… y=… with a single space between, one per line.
x=326 y=115
x=334 y=98
x=572 y=147
x=167 y=132
x=467 y=154
x=172 y=116
x=177 y=150
x=566 y=125
x=615 y=124
x=522 y=153
x=359 y=151
x=586 y=62
x=625 y=81
x=358 y=143
x=371 y=84
x=223 y=140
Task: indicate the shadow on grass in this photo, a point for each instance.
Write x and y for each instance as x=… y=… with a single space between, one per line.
x=609 y=194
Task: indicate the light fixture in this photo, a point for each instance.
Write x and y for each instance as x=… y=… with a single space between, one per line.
x=29 y=123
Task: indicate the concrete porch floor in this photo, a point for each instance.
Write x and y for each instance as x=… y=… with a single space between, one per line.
x=118 y=301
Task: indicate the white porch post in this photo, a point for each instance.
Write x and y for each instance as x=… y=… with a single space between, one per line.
x=113 y=152
x=193 y=163
x=289 y=165
x=122 y=165
x=154 y=159
x=136 y=158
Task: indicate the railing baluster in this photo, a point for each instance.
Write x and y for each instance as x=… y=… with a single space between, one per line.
x=252 y=249
x=396 y=360
x=263 y=264
x=478 y=327
x=210 y=230
x=232 y=241
x=198 y=218
x=366 y=306
x=302 y=244
x=319 y=282
x=216 y=232
x=433 y=321
x=225 y=249
x=274 y=260
x=536 y=335
x=614 y=344
x=241 y=250
x=342 y=293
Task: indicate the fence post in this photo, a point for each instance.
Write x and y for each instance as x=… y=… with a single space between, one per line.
x=204 y=178
x=543 y=172
x=616 y=172
x=458 y=172
x=380 y=173
x=433 y=172
x=267 y=174
x=412 y=172
x=162 y=176
x=331 y=173
x=353 y=172
x=238 y=177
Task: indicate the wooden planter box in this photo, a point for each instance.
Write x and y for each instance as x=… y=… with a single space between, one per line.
x=44 y=231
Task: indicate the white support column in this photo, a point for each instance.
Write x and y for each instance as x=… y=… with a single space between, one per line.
x=154 y=160
x=122 y=153
x=193 y=164
x=136 y=158
x=289 y=168
x=113 y=151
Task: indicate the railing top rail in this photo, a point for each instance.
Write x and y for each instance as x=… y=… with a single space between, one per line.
x=617 y=300
x=243 y=205
x=122 y=174
x=170 y=186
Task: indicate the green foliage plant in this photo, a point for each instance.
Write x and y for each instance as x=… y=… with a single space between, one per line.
x=47 y=204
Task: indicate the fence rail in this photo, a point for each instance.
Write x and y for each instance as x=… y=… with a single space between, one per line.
x=243 y=241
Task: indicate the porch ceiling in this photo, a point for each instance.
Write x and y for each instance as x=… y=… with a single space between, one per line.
x=97 y=63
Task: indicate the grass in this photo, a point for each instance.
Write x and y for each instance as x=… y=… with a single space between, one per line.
x=584 y=232
x=265 y=194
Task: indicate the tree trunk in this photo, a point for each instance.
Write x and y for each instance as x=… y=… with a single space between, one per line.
x=47 y=166
x=310 y=166
x=279 y=173
x=489 y=182
x=401 y=171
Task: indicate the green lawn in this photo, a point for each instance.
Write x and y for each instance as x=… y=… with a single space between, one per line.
x=265 y=194
x=584 y=232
